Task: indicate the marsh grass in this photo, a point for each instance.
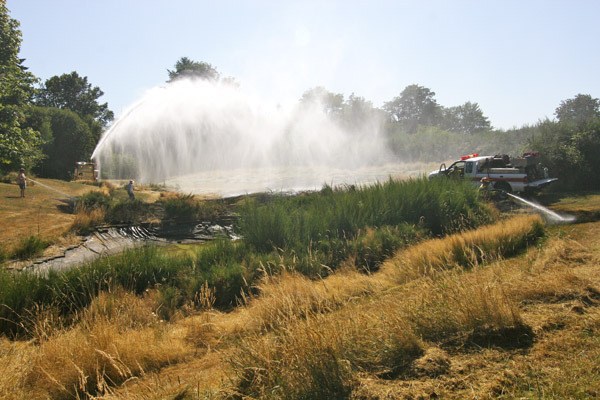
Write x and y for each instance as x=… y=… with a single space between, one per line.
x=297 y=336
x=367 y=223
x=438 y=206
x=181 y=207
x=87 y=220
x=29 y=247
x=319 y=356
x=467 y=309
x=179 y=280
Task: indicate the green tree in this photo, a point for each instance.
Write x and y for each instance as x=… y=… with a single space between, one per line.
x=570 y=152
x=360 y=115
x=70 y=139
x=416 y=106
x=187 y=68
x=467 y=118
x=75 y=93
x=332 y=103
x=19 y=145
x=578 y=110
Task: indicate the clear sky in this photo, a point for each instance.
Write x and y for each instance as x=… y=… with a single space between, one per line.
x=518 y=59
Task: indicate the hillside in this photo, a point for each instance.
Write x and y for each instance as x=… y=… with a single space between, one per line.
x=549 y=349
x=459 y=317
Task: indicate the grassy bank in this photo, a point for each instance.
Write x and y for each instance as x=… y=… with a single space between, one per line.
x=296 y=338
x=499 y=311
x=313 y=233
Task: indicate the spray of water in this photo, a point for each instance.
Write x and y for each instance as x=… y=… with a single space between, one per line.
x=51 y=188
x=191 y=127
x=551 y=215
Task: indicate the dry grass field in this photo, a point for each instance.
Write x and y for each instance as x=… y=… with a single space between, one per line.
x=454 y=318
x=44 y=212
x=40 y=213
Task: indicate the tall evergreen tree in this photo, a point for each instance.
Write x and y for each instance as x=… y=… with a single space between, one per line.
x=187 y=68
x=19 y=145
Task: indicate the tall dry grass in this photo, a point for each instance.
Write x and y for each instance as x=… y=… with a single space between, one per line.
x=86 y=220
x=318 y=357
x=315 y=336
x=289 y=296
x=466 y=250
x=117 y=338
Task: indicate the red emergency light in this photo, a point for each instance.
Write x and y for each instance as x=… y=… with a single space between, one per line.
x=469 y=156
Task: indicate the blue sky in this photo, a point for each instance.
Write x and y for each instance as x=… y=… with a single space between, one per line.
x=517 y=59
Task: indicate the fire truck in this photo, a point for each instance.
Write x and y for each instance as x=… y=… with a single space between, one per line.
x=85 y=171
x=509 y=174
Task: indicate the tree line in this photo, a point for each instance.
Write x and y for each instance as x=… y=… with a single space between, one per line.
x=48 y=126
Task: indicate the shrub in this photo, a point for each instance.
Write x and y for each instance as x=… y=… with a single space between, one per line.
x=181 y=207
x=29 y=247
x=128 y=211
x=93 y=200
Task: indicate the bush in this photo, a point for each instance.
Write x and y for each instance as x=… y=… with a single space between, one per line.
x=128 y=211
x=182 y=207
x=93 y=200
x=10 y=177
x=30 y=247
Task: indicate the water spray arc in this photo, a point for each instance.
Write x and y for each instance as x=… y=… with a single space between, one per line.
x=107 y=134
x=552 y=216
x=51 y=188
x=195 y=126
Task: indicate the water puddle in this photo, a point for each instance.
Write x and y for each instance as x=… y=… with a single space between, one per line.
x=112 y=240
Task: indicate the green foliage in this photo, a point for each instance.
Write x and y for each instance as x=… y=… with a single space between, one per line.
x=578 y=110
x=325 y=228
x=466 y=119
x=19 y=145
x=416 y=106
x=180 y=279
x=128 y=211
x=93 y=200
x=182 y=207
x=331 y=103
x=435 y=144
x=372 y=247
x=187 y=68
x=118 y=166
x=570 y=151
x=71 y=140
x=75 y=93
x=29 y=247
x=354 y=115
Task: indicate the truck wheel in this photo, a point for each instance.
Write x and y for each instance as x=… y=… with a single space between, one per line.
x=504 y=186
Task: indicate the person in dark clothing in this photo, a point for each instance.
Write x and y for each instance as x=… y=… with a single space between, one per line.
x=129 y=188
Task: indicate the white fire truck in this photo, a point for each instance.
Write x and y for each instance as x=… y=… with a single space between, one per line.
x=509 y=174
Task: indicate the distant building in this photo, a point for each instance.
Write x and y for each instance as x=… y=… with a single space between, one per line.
x=85 y=171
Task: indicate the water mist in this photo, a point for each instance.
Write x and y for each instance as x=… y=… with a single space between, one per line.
x=211 y=137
